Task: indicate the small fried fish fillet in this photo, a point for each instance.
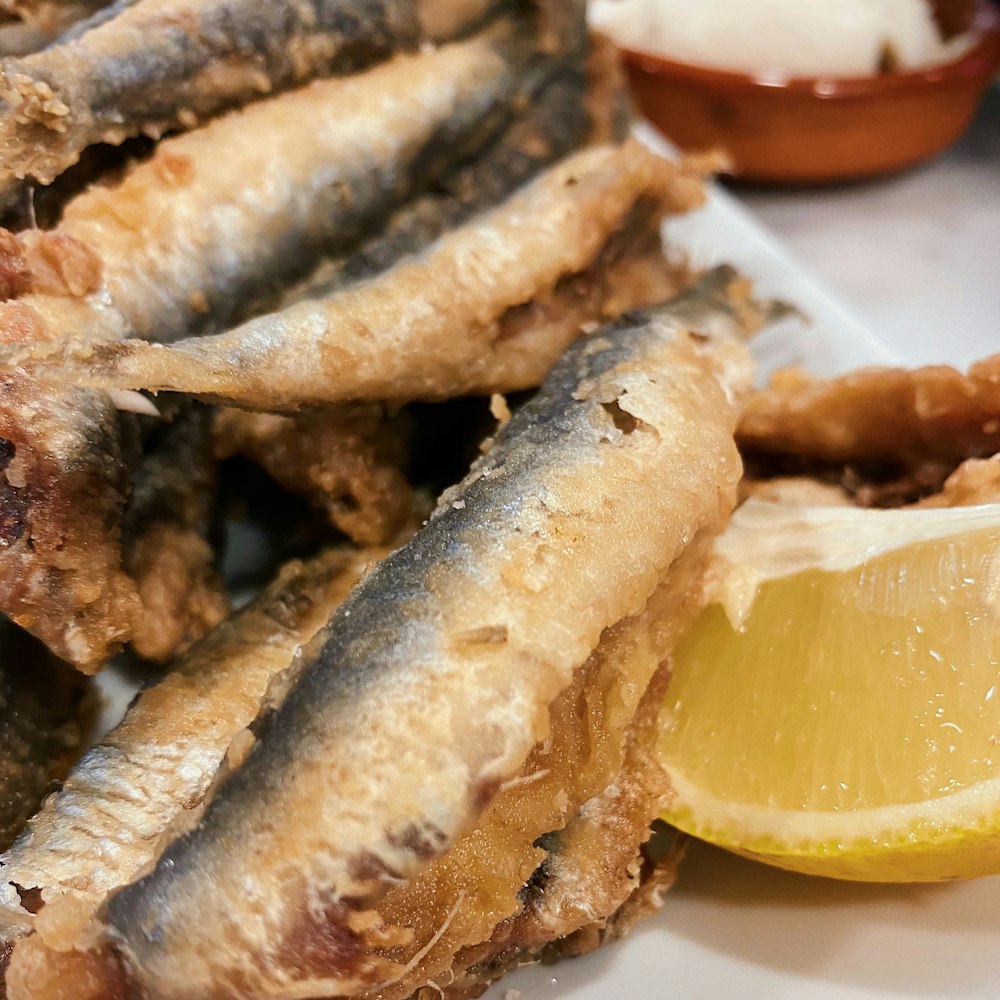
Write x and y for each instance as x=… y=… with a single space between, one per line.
x=162 y=64
x=153 y=772
x=907 y=417
x=430 y=328
x=428 y=689
x=188 y=238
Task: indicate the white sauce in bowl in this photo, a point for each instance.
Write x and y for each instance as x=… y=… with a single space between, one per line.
x=781 y=37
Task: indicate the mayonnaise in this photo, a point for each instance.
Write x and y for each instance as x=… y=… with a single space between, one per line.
x=780 y=37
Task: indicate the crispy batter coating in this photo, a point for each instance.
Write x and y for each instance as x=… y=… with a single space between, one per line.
x=554 y=124
x=65 y=483
x=349 y=462
x=425 y=694
x=907 y=417
x=880 y=437
x=312 y=171
x=975 y=481
x=234 y=219
x=528 y=874
x=608 y=102
x=166 y=533
x=159 y=65
x=150 y=776
x=432 y=327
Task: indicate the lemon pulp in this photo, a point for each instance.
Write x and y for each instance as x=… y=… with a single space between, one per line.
x=849 y=724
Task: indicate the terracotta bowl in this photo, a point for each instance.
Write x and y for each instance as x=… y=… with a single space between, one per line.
x=802 y=130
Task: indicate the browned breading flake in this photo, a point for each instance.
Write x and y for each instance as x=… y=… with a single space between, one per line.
x=349 y=462
x=64 y=484
x=905 y=417
x=167 y=530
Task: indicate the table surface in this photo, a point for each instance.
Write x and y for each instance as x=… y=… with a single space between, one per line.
x=916 y=255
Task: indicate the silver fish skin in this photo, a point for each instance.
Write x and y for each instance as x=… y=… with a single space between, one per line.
x=431 y=683
x=430 y=328
x=554 y=125
x=159 y=65
x=155 y=769
x=234 y=218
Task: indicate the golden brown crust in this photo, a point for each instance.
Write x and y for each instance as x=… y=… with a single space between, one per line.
x=65 y=480
x=167 y=529
x=975 y=481
x=149 y=777
x=876 y=437
x=435 y=325
x=879 y=414
x=349 y=462
x=558 y=850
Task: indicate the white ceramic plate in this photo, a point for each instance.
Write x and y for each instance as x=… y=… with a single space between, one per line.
x=735 y=930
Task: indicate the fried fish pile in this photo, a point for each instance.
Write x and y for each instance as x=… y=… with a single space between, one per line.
x=280 y=240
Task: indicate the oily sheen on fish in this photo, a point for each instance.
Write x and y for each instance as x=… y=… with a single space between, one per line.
x=154 y=770
x=430 y=328
x=159 y=65
x=553 y=126
x=314 y=182
x=232 y=219
x=432 y=683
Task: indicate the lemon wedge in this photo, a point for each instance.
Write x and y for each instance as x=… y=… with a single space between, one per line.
x=836 y=708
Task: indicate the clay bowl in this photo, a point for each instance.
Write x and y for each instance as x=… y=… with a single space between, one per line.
x=806 y=130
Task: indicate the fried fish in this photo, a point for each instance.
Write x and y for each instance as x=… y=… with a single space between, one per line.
x=63 y=492
x=348 y=461
x=235 y=219
x=434 y=326
x=167 y=545
x=152 y=773
x=422 y=700
x=884 y=436
x=314 y=182
x=154 y=66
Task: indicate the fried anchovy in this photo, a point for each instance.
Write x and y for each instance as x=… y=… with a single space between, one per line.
x=430 y=328
x=233 y=217
x=64 y=482
x=554 y=125
x=154 y=770
x=158 y=65
x=40 y=725
x=317 y=181
x=433 y=681
x=481 y=901
x=166 y=533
